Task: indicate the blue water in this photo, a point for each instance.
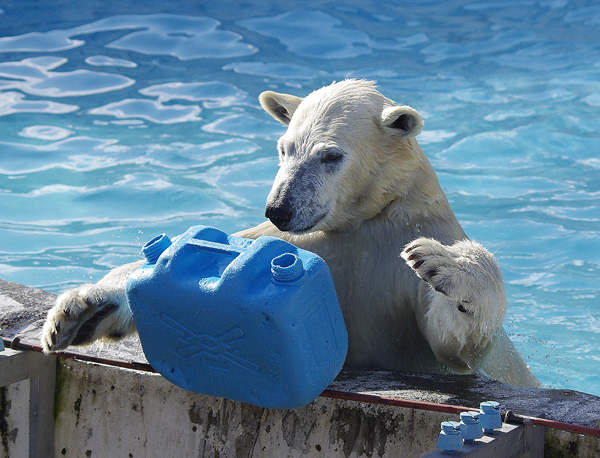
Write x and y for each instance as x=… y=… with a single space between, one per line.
x=122 y=120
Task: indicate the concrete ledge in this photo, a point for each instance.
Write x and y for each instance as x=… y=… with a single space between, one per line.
x=511 y=441
x=104 y=408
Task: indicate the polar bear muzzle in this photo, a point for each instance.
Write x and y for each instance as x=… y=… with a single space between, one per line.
x=296 y=202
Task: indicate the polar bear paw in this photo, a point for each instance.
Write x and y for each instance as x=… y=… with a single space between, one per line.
x=75 y=318
x=435 y=264
x=464 y=272
x=90 y=312
x=471 y=303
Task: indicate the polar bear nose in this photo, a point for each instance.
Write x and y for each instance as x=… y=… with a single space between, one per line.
x=280 y=216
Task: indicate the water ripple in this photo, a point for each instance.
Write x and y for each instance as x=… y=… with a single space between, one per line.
x=214 y=94
x=168 y=34
x=318 y=34
x=15 y=102
x=35 y=76
x=52 y=133
x=105 y=61
x=276 y=70
x=153 y=111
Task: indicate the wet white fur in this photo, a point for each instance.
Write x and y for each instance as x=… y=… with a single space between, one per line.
x=381 y=221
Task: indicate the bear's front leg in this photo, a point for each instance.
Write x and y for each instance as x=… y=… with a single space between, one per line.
x=467 y=302
x=90 y=312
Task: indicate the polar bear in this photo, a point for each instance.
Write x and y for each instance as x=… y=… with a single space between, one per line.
x=355 y=187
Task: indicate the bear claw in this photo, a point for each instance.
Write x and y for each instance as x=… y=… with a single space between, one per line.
x=413 y=256
x=408 y=249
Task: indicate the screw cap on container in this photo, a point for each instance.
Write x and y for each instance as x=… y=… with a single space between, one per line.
x=155 y=247
x=286 y=267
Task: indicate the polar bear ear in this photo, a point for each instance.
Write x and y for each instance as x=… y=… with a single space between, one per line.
x=404 y=118
x=280 y=106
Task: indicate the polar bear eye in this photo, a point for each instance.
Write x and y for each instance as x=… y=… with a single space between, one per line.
x=332 y=157
x=285 y=150
x=463 y=309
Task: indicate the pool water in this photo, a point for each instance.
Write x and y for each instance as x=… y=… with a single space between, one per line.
x=122 y=120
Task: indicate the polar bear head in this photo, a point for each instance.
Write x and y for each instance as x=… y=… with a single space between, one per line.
x=347 y=153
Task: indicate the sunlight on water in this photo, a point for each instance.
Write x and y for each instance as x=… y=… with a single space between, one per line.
x=123 y=123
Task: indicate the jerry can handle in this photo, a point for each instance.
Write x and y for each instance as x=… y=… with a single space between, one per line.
x=214 y=247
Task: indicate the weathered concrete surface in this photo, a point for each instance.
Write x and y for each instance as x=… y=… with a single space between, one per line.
x=120 y=412
x=22 y=309
x=105 y=407
x=27 y=389
x=14 y=427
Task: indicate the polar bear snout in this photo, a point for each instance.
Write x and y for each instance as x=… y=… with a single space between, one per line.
x=298 y=202
x=280 y=207
x=287 y=219
x=287 y=216
x=280 y=215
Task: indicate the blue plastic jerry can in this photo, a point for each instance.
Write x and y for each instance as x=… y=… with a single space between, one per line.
x=256 y=321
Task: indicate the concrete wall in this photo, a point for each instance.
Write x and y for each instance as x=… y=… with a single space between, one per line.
x=27 y=382
x=109 y=411
x=106 y=411
x=14 y=432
